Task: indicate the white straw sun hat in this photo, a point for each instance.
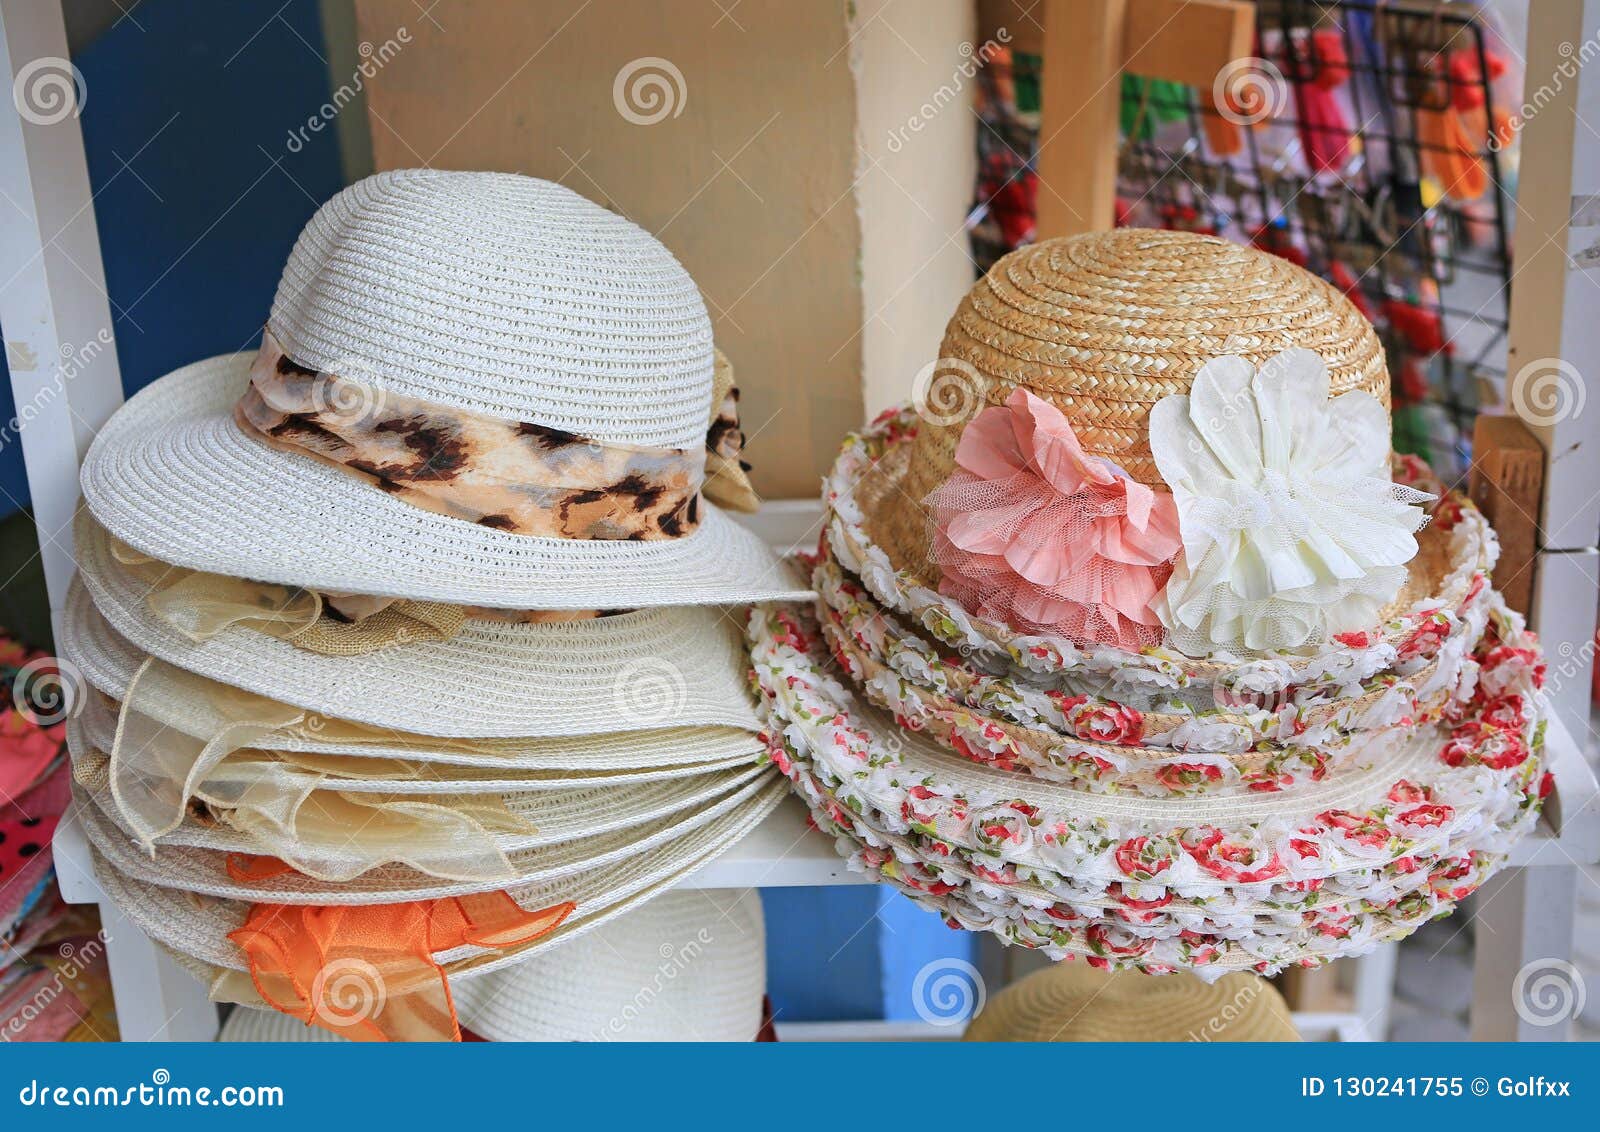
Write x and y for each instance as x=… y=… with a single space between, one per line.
x=585 y=850
x=648 y=668
x=688 y=966
x=483 y=297
x=196 y=926
x=109 y=664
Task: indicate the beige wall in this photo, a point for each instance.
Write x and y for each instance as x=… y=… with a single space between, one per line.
x=914 y=87
x=822 y=255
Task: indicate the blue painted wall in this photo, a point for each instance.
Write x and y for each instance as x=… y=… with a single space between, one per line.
x=198 y=200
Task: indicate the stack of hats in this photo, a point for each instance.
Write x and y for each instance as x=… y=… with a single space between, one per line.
x=54 y=982
x=1135 y=642
x=689 y=966
x=407 y=635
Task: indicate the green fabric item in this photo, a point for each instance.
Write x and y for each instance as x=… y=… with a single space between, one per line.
x=1148 y=103
x=1025 y=77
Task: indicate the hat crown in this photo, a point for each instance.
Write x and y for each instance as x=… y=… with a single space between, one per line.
x=1106 y=324
x=502 y=295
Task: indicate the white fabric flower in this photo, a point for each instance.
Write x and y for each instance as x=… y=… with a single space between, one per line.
x=1292 y=529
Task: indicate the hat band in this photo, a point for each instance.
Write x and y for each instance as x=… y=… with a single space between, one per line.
x=513 y=476
x=367 y=972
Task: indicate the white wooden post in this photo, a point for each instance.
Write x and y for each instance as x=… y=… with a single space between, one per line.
x=64 y=378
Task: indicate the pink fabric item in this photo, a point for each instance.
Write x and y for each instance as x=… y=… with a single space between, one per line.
x=1031 y=531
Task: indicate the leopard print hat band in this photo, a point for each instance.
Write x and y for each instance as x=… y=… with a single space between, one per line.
x=513 y=476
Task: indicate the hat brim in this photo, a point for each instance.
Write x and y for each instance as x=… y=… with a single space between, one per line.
x=197 y=927
x=626 y=672
x=172 y=475
x=205 y=871
x=603 y=760
x=711 y=945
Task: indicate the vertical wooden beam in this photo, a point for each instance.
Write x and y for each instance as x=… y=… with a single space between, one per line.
x=1080 y=97
x=1505 y=481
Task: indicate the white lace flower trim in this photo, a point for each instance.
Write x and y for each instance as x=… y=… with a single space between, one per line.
x=1293 y=530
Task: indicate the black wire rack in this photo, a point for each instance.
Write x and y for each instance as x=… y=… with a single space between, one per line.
x=1365 y=142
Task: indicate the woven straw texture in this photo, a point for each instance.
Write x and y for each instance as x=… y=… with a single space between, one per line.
x=1073 y=1002
x=249 y=1025
x=688 y=966
x=157 y=471
x=197 y=927
x=650 y=668
x=504 y=295
x=1105 y=325
x=108 y=662
x=204 y=871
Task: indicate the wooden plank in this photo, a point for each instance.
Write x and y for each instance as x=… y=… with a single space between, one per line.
x=1505 y=482
x=1554 y=335
x=1186 y=41
x=1080 y=94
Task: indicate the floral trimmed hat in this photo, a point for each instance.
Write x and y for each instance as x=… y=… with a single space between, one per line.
x=1134 y=640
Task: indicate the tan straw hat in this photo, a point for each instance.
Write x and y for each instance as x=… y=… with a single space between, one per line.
x=1074 y=1002
x=1106 y=325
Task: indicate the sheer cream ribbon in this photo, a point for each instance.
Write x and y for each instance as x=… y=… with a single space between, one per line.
x=157 y=771
x=201 y=605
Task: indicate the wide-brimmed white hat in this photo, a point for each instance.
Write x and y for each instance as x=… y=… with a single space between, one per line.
x=592 y=839
x=654 y=667
x=507 y=298
x=196 y=927
x=687 y=966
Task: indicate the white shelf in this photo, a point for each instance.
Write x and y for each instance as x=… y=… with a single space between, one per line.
x=781 y=852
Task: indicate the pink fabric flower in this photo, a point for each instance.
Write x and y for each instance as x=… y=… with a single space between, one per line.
x=1032 y=531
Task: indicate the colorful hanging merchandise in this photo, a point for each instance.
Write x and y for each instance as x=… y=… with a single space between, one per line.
x=1139 y=645
x=401 y=652
x=54 y=984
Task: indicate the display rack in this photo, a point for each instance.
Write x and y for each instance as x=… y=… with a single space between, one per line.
x=54 y=297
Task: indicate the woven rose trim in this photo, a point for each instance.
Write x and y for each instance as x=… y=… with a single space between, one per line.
x=1318 y=717
x=1293 y=529
x=1032 y=532
x=1315 y=938
x=1108 y=767
x=1161 y=934
x=1348 y=658
x=793 y=677
x=1233 y=914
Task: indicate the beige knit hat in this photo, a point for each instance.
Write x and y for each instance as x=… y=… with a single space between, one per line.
x=1073 y=1002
